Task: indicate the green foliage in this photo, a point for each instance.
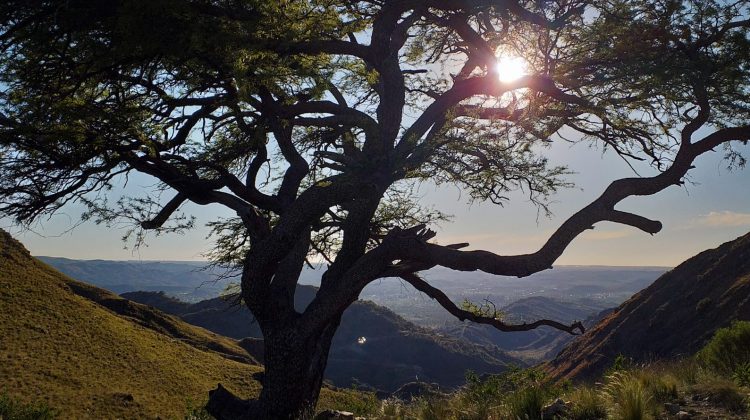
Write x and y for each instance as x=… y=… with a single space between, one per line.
x=518 y=394
x=703 y=304
x=485 y=309
x=14 y=410
x=741 y=374
x=495 y=387
x=728 y=350
x=621 y=363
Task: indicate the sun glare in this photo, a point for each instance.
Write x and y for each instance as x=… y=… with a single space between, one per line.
x=510 y=68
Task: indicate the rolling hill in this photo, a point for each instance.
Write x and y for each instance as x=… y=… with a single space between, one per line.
x=373 y=347
x=88 y=353
x=673 y=317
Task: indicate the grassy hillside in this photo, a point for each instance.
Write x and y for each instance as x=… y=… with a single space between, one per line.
x=89 y=354
x=673 y=317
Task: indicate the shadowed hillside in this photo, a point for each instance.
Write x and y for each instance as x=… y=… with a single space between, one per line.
x=88 y=353
x=535 y=345
x=673 y=317
x=393 y=352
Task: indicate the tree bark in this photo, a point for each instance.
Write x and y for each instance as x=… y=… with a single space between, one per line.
x=295 y=361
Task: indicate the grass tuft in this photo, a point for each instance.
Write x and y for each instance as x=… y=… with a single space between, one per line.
x=588 y=404
x=630 y=400
x=527 y=403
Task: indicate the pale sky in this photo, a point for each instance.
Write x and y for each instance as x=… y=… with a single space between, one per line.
x=715 y=209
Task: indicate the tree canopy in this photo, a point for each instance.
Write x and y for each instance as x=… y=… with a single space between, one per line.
x=312 y=120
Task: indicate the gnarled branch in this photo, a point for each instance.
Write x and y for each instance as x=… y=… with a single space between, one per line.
x=497 y=323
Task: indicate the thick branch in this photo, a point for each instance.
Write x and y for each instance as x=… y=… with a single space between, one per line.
x=601 y=209
x=165 y=212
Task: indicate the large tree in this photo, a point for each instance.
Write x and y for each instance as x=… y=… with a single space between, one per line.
x=312 y=120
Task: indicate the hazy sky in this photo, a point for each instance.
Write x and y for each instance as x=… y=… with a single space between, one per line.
x=713 y=210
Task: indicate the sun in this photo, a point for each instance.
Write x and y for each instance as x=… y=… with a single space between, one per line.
x=510 y=68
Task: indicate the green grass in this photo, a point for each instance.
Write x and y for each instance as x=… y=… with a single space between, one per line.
x=14 y=410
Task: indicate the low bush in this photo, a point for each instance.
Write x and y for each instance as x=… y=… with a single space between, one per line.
x=11 y=409
x=728 y=350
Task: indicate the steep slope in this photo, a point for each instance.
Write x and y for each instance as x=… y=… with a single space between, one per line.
x=393 y=352
x=674 y=316
x=90 y=354
x=84 y=360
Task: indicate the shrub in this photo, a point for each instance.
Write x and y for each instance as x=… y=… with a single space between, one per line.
x=703 y=304
x=588 y=404
x=629 y=397
x=13 y=410
x=728 y=349
x=620 y=364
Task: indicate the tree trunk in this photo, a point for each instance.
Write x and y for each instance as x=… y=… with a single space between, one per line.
x=295 y=361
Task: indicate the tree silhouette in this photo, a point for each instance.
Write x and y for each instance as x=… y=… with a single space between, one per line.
x=312 y=120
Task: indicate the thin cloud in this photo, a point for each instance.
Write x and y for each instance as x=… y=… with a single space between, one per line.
x=605 y=235
x=499 y=238
x=724 y=219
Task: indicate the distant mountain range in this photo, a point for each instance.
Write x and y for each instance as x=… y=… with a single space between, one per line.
x=673 y=317
x=193 y=281
x=189 y=280
x=373 y=347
